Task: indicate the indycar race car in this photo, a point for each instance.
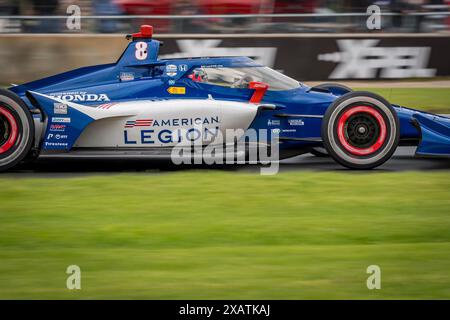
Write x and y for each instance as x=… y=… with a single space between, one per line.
x=143 y=107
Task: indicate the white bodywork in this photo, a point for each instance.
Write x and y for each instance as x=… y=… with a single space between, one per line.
x=165 y=123
x=161 y=123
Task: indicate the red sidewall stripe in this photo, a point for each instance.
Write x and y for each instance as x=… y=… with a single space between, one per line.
x=13 y=127
x=341 y=130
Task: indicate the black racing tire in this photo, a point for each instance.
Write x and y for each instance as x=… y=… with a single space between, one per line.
x=334 y=88
x=360 y=130
x=320 y=152
x=16 y=130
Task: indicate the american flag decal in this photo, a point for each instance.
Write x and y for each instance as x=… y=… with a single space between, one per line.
x=139 y=123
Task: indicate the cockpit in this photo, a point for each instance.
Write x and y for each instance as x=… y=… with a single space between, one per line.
x=240 y=77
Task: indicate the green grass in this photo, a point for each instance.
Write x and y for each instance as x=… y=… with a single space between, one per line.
x=429 y=99
x=218 y=235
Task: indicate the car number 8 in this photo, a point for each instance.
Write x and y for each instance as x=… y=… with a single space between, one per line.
x=141 y=50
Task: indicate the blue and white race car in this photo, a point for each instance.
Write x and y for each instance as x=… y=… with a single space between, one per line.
x=144 y=107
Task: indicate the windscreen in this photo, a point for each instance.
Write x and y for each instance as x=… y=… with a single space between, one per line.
x=241 y=77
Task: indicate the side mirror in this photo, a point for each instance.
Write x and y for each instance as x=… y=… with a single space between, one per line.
x=260 y=90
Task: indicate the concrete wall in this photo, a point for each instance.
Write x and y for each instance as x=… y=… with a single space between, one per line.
x=28 y=57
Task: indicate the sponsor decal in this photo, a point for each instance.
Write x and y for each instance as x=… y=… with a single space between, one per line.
x=57 y=136
x=61 y=136
x=56 y=144
x=176 y=90
x=149 y=136
x=139 y=123
x=212 y=66
x=183 y=67
x=170 y=135
x=126 y=76
x=81 y=96
x=171 y=82
x=272 y=122
x=362 y=59
x=174 y=122
x=296 y=122
x=57 y=127
x=171 y=70
x=59 y=108
x=61 y=120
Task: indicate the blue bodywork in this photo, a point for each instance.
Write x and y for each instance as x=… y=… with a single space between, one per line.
x=133 y=79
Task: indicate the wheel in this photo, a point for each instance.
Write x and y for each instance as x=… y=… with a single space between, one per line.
x=16 y=129
x=360 y=130
x=319 y=152
x=334 y=88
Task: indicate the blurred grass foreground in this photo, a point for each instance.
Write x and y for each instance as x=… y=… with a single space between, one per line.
x=218 y=235
x=428 y=99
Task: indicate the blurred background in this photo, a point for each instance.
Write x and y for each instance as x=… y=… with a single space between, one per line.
x=309 y=40
x=224 y=16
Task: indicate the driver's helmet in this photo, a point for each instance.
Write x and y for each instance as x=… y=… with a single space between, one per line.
x=199 y=75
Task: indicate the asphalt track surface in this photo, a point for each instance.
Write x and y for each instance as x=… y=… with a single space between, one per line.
x=403 y=160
